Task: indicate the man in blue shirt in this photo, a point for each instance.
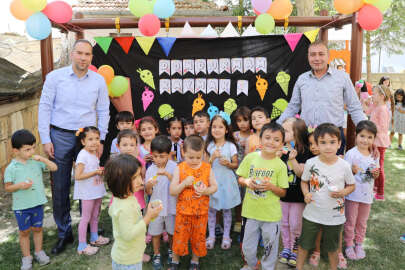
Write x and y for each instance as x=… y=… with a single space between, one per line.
x=72 y=97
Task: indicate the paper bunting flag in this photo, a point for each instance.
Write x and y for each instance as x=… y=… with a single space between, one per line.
x=164 y=86
x=237 y=65
x=188 y=66
x=188 y=32
x=177 y=86
x=147 y=98
x=311 y=35
x=261 y=64
x=146 y=77
x=250 y=32
x=249 y=64
x=230 y=106
x=176 y=67
x=166 y=43
x=242 y=87
x=224 y=86
x=166 y=111
x=125 y=43
x=293 y=39
x=225 y=65
x=104 y=43
x=124 y=102
x=279 y=107
x=212 y=110
x=229 y=31
x=200 y=85
x=200 y=66
x=209 y=32
x=145 y=43
x=212 y=86
x=261 y=86
x=188 y=86
x=283 y=79
x=164 y=66
x=198 y=104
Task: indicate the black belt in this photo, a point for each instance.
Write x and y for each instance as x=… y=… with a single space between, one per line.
x=63 y=130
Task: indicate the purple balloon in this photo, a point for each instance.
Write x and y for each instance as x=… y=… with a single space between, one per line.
x=261 y=5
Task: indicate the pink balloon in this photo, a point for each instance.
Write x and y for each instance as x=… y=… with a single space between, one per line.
x=149 y=25
x=58 y=11
x=370 y=18
x=93 y=68
x=261 y=5
x=256 y=12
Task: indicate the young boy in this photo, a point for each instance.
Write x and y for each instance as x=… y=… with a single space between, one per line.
x=201 y=122
x=265 y=176
x=188 y=126
x=23 y=177
x=127 y=143
x=125 y=120
x=259 y=116
x=330 y=180
x=158 y=178
x=193 y=182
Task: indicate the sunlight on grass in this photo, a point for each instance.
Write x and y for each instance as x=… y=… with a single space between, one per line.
x=400 y=195
x=369 y=244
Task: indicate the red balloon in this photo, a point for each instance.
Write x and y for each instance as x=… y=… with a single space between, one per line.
x=256 y=12
x=149 y=25
x=93 y=68
x=369 y=88
x=58 y=11
x=370 y=18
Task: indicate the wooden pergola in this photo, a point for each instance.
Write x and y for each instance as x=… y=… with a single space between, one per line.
x=78 y=25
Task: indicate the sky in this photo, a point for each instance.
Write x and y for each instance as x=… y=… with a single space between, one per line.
x=9 y=24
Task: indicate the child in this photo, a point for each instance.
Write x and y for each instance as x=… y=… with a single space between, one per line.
x=89 y=188
x=399 y=116
x=330 y=180
x=292 y=205
x=174 y=129
x=159 y=175
x=124 y=120
x=193 y=182
x=188 y=127
x=123 y=176
x=265 y=176
x=258 y=117
x=23 y=177
x=148 y=129
x=201 y=122
x=358 y=204
x=224 y=159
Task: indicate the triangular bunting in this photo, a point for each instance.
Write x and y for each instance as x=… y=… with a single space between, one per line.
x=104 y=43
x=293 y=39
x=229 y=31
x=209 y=32
x=250 y=31
x=125 y=43
x=145 y=43
x=187 y=32
x=311 y=35
x=166 y=43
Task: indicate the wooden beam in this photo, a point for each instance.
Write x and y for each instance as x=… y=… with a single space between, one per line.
x=46 y=56
x=324 y=31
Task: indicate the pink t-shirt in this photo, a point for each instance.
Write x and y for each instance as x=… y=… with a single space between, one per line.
x=380 y=115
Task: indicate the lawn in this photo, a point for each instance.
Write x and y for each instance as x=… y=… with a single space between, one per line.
x=384 y=250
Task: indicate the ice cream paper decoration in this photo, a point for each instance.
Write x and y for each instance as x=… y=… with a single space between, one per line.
x=230 y=106
x=212 y=110
x=229 y=31
x=283 y=79
x=147 y=98
x=311 y=35
x=279 y=107
x=166 y=111
x=209 y=32
x=146 y=77
x=187 y=32
x=226 y=117
x=293 y=39
x=261 y=86
x=250 y=31
x=198 y=104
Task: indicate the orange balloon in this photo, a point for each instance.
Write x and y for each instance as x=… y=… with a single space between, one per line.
x=348 y=7
x=18 y=10
x=107 y=72
x=280 y=9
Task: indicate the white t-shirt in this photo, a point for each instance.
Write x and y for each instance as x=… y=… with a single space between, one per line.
x=364 y=179
x=93 y=187
x=114 y=147
x=323 y=177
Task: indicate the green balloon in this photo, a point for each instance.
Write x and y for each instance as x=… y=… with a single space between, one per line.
x=383 y=5
x=141 y=7
x=264 y=23
x=118 y=86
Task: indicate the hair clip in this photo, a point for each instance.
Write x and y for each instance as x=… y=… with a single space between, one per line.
x=311 y=129
x=225 y=116
x=80 y=130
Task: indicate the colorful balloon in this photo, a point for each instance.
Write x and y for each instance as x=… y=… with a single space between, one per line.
x=348 y=7
x=383 y=5
x=370 y=18
x=280 y=9
x=371 y=2
x=264 y=23
x=38 y=26
x=93 y=68
x=141 y=7
x=34 y=5
x=58 y=11
x=19 y=11
x=262 y=6
x=149 y=25
x=119 y=85
x=107 y=72
x=164 y=8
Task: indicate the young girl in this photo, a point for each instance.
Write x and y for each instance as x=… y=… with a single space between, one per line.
x=224 y=159
x=358 y=203
x=148 y=129
x=188 y=127
x=259 y=116
x=292 y=205
x=89 y=188
x=175 y=130
x=123 y=176
x=399 y=116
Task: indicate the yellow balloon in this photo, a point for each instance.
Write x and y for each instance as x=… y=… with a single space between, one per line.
x=34 y=5
x=372 y=2
x=18 y=10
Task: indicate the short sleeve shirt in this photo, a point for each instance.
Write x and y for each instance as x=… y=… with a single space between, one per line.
x=17 y=172
x=114 y=147
x=322 y=179
x=263 y=206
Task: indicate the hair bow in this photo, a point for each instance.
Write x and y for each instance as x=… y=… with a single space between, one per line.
x=80 y=130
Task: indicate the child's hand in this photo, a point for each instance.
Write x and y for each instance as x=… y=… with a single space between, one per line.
x=216 y=154
x=148 y=158
x=224 y=162
x=308 y=198
x=161 y=171
x=200 y=190
x=153 y=211
x=250 y=183
x=356 y=169
x=188 y=182
x=376 y=173
x=337 y=194
x=292 y=155
x=99 y=172
x=25 y=185
x=152 y=181
x=37 y=158
x=265 y=186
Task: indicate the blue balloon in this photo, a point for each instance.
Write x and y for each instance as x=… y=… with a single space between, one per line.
x=38 y=26
x=164 y=8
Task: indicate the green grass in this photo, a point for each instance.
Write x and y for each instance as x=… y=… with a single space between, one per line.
x=384 y=250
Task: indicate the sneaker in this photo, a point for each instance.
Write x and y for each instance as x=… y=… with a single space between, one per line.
x=399 y=147
x=173 y=266
x=350 y=253
x=292 y=261
x=342 y=264
x=42 y=258
x=360 y=253
x=379 y=198
x=169 y=256
x=402 y=238
x=284 y=255
x=194 y=266
x=156 y=262
x=148 y=238
x=314 y=259
x=26 y=263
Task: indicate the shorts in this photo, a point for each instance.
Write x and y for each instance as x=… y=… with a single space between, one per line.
x=117 y=266
x=330 y=235
x=193 y=228
x=157 y=226
x=31 y=217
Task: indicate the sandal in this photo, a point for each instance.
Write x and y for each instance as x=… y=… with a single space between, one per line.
x=226 y=243
x=101 y=241
x=342 y=261
x=314 y=259
x=210 y=242
x=145 y=258
x=89 y=250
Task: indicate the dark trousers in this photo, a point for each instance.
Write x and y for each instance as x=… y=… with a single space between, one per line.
x=341 y=150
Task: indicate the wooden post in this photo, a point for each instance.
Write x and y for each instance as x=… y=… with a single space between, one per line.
x=324 y=32
x=46 y=56
x=79 y=35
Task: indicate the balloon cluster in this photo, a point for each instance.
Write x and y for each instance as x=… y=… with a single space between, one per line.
x=149 y=12
x=370 y=14
x=37 y=15
x=117 y=85
x=267 y=11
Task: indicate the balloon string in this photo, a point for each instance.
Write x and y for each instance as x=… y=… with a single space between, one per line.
x=336 y=19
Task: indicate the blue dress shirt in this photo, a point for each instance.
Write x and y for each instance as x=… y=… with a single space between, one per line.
x=70 y=102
